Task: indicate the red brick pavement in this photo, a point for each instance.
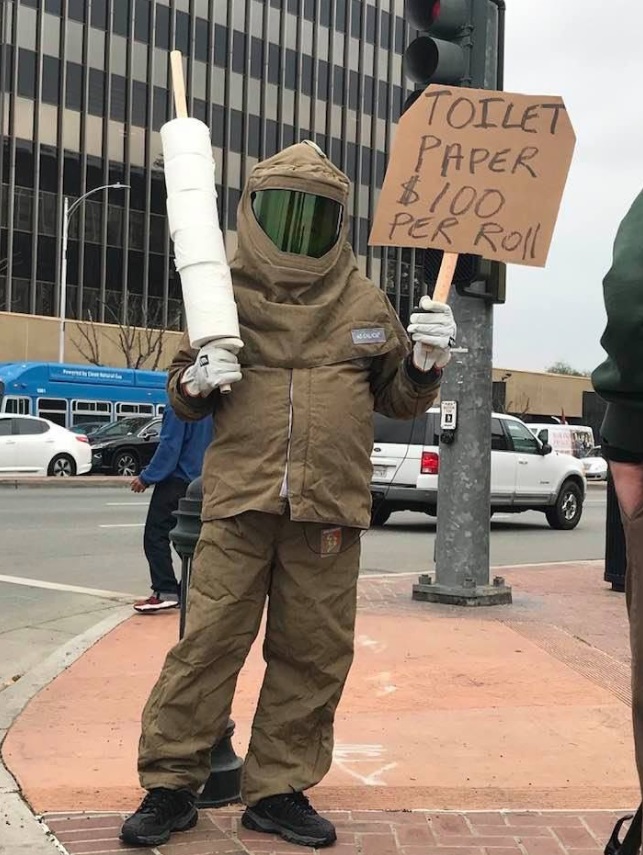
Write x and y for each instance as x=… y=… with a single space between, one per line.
x=220 y=832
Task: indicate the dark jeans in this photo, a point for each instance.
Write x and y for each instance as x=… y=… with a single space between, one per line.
x=156 y=540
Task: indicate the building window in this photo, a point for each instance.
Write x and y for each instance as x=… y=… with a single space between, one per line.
x=96 y=106
x=139 y=104
x=307 y=75
x=220 y=46
x=162 y=29
x=51 y=80
x=98 y=11
x=322 y=79
x=338 y=85
x=274 y=60
x=254 y=135
x=371 y=19
x=356 y=18
x=182 y=33
x=400 y=34
x=76 y=10
x=236 y=130
x=120 y=21
x=74 y=86
x=385 y=31
x=291 y=69
x=324 y=12
x=142 y=21
x=27 y=73
x=238 y=51
x=201 y=40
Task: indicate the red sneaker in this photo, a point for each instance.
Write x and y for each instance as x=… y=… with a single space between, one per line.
x=156 y=604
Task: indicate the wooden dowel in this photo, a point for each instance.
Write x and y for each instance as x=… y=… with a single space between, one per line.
x=445 y=277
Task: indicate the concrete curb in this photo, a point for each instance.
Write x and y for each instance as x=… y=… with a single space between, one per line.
x=79 y=481
x=22 y=832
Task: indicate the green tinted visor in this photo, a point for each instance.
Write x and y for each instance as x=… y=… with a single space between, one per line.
x=299 y=223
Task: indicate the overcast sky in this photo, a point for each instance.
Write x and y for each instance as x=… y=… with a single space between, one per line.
x=587 y=51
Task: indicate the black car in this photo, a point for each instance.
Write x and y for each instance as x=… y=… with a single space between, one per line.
x=126 y=446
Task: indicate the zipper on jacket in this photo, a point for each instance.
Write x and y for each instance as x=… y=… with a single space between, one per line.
x=283 y=493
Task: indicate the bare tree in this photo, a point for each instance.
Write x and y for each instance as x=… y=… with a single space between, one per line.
x=565 y=368
x=519 y=408
x=88 y=345
x=140 y=344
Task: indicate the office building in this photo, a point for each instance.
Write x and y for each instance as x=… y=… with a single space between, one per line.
x=84 y=90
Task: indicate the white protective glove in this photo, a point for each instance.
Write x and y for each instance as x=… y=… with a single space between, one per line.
x=214 y=367
x=433 y=332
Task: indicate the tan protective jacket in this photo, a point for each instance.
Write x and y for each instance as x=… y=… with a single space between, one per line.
x=323 y=348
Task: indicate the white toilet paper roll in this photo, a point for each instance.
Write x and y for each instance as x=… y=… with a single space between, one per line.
x=185 y=136
x=198 y=245
x=191 y=208
x=193 y=219
x=210 y=308
x=188 y=172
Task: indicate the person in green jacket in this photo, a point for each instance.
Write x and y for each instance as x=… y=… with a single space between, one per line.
x=619 y=381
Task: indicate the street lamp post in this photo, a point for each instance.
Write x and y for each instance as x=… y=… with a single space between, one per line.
x=68 y=210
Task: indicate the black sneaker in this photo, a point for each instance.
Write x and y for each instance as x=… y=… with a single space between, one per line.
x=292 y=817
x=161 y=812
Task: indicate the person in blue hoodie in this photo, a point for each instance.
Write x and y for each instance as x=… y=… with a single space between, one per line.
x=177 y=461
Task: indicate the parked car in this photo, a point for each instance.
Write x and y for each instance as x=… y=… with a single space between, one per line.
x=526 y=475
x=33 y=446
x=595 y=465
x=87 y=428
x=126 y=446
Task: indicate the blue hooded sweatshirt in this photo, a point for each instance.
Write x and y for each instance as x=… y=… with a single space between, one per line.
x=180 y=451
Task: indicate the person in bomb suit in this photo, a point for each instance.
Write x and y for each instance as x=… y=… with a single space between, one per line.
x=286 y=497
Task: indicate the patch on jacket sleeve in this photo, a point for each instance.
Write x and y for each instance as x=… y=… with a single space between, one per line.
x=331 y=541
x=375 y=335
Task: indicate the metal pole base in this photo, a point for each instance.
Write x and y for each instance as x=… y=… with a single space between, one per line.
x=497 y=594
x=223 y=787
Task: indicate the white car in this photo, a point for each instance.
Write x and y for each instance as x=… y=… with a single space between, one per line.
x=595 y=465
x=526 y=475
x=31 y=446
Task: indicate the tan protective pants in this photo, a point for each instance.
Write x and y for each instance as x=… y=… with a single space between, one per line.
x=309 y=574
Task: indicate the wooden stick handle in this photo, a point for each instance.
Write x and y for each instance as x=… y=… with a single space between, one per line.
x=178 y=84
x=445 y=277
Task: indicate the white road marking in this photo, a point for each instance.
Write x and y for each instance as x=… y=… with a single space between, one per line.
x=123 y=525
x=351 y=754
x=70 y=589
x=371 y=643
x=385 y=686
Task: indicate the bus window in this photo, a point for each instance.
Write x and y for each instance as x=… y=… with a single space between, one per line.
x=16 y=406
x=160 y=409
x=90 y=411
x=124 y=410
x=54 y=410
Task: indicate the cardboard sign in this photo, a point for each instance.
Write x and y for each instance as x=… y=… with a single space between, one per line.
x=478 y=172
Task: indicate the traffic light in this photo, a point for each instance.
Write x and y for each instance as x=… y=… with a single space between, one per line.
x=459 y=43
x=440 y=53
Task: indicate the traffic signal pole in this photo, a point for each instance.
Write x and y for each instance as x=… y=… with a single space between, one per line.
x=462 y=556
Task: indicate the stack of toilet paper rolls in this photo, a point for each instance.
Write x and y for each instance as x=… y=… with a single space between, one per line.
x=199 y=251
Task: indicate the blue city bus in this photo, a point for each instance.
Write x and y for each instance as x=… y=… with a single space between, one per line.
x=79 y=394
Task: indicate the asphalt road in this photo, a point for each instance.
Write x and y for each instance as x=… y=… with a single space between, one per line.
x=84 y=547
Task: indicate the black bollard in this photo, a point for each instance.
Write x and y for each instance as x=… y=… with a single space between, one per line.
x=223 y=787
x=615 y=556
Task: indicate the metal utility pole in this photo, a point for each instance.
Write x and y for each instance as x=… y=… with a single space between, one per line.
x=468 y=51
x=68 y=210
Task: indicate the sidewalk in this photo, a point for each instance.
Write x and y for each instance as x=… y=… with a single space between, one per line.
x=30 y=482
x=489 y=713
